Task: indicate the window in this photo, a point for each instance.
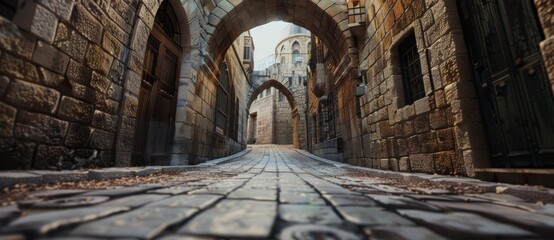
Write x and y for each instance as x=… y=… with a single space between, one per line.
x=290 y=81
x=364 y=77
x=326 y=119
x=226 y=118
x=246 y=55
x=356 y=11
x=281 y=97
x=412 y=79
x=296 y=57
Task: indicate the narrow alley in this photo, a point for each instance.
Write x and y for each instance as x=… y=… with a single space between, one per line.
x=274 y=192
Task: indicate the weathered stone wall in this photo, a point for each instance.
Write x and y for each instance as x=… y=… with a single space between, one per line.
x=62 y=80
x=283 y=121
x=264 y=108
x=545 y=9
x=70 y=74
x=440 y=133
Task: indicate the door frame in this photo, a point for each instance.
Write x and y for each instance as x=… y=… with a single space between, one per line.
x=143 y=156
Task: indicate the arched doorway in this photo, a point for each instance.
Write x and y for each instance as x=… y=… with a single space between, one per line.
x=158 y=91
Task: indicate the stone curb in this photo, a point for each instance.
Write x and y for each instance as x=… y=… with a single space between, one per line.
x=10 y=178
x=529 y=193
x=218 y=161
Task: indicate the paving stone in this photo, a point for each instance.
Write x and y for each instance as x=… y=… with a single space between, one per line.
x=44 y=222
x=497 y=197
x=548 y=209
x=372 y=216
x=27 y=203
x=179 y=237
x=366 y=190
x=194 y=201
x=134 y=201
x=536 y=222
x=144 y=223
x=174 y=190
x=261 y=186
x=210 y=190
x=234 y=218
x=431 y=191
x=403 y=233
x=254 y=194
x=335 y=190
x=55 y=193
x=430 y=197
x=10 y=178
x=7 y=213
x=308 y=214
x=109 y=173
x=301 y=198
x=118 y=192
x=350 y=200
x=301 y=188
x=309 y=231
x=466 y=224
x=71 y=202
x=390 y=189
x=400 y=202
x=465 y=198
x=530 y=207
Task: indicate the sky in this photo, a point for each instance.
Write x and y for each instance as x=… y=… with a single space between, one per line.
x=266 y=38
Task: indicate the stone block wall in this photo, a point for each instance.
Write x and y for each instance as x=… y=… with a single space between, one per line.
x=264 y=108
x=283 y=121
x=62 y=71
x=439 y=133
x=545 y=9
x=70 y=75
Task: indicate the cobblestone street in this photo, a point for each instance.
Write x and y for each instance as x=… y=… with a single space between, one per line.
x=275 y=192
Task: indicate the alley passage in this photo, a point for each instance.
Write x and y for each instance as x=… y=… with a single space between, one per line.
x=274 y=192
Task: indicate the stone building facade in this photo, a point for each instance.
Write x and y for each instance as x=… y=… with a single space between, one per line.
x=444 y=86
x=270 y=112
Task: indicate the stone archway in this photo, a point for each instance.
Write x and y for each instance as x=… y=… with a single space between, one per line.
x=297 y=121
x=326 y=19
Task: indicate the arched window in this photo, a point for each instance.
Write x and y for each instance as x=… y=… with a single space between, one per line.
x=296 y=58
x=167 y=19
x=296 y=45
x=226 y=114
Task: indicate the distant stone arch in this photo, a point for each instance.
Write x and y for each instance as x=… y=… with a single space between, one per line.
x=267 y=85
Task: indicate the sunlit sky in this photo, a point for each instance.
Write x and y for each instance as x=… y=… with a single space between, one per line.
x=266 y=38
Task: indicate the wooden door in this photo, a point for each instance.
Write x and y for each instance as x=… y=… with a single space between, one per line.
x=157 y=100
x=503 y=39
